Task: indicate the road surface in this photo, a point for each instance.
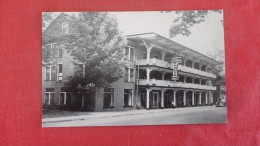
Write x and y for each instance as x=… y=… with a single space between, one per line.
x=195 y=115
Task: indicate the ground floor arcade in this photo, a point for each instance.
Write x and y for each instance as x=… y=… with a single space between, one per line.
x=167 y=98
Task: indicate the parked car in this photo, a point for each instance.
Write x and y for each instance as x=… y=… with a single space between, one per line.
x=221 y=103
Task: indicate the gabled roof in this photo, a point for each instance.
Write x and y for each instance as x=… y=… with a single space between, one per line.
x=54 y=22
x=171 y=45
x=53 y=31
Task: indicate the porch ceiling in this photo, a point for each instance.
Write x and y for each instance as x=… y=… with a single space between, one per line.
x=170 y=45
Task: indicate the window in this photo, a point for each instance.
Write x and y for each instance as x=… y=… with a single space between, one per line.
x=108 y=98
x=54 y=50
x=129 y=53
x=129 y=75
x=50 y=73
x=60 y=53
x=49 y=97
x=126 y=74
x=65 y=28
x=65 y=98
x=60 y=72
x=128 y=97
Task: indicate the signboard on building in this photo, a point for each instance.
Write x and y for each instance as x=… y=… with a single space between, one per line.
x=175 y=62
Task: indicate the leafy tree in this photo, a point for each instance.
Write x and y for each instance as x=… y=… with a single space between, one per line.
x=186 y=19
x=47 y=17
x=98 y=44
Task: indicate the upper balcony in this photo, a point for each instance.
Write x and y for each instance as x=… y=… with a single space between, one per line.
x=165 y=83
x=165 y=64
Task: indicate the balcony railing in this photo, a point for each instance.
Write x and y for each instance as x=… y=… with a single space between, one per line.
x=165 y=64
x=165 y=83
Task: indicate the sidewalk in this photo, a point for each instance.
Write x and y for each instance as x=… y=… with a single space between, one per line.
x=100 y=115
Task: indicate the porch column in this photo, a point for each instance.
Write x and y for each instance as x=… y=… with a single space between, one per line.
x=162 y=98
x=184 y=61
x=148 y=48
x=185 y=79
x=192 y=97
x=82 y=105
x=200 y=80
x=163 y=54
x=174 y=97
x=147 y=97
x=200 y=98
x=193 y=78
x=163 y=73
x=148 y=70
x=211 y=96
x=206 y=97
x=184 y=98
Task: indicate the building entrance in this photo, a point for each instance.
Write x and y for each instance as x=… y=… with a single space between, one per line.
x=155 y=100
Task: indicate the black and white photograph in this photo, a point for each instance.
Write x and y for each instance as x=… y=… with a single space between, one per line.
x=133 y=68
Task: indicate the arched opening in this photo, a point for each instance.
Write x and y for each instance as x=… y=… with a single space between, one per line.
x=142 y=54
x=168 y=56
x=143 y=97
x=203 y=98
x=188 y=63
x=196 y=98
x=155 y=99
x=156 y=53
x=203 y=67
x=179 y=98
x=189 y=98
x=203 y=82
x=156 y=75
x=142 y=74
x=209 y=70
x=168 y=98
x=197 y=65
x=189 y=79
x=168 y=76
x=197 y=81
x=182 y=61
x=181 y=78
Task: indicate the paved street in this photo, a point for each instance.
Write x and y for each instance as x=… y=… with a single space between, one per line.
x=191 y=115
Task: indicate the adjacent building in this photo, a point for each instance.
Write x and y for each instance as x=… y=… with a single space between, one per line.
x=147 y=81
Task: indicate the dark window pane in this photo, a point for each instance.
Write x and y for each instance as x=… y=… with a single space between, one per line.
x=68 y=98
x=49 y=89
x=60 y=68
x=62 y=96
x=46 y=98
x=126 y=74
x=48 y=73
x=52 y=98
x=107 y=100
x=53 y=73
x=131 y=75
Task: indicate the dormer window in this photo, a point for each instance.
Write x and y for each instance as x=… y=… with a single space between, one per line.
x=65 y=28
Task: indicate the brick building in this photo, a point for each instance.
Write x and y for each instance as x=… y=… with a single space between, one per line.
x=147 y=81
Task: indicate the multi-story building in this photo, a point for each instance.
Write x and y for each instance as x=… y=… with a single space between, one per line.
x=147 y=81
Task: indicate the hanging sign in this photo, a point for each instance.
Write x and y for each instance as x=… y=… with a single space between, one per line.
x=175 y=62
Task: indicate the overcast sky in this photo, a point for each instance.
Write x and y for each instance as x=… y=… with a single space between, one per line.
x=205 y=37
